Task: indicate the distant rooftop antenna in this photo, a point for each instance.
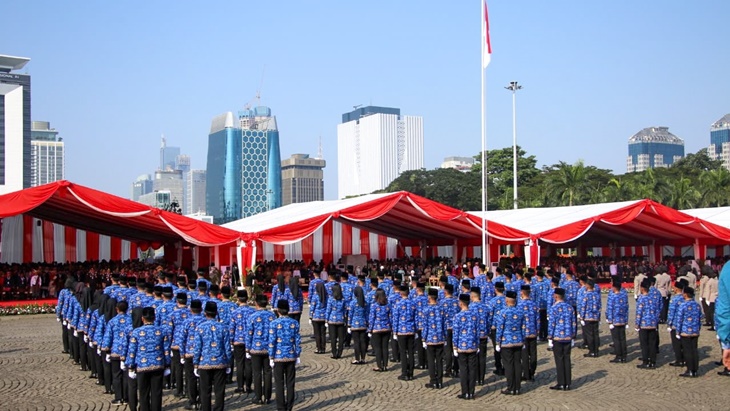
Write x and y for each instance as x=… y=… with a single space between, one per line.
x=164 y=142
x=320 y=155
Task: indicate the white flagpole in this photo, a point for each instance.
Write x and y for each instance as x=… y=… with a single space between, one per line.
x=485 y=249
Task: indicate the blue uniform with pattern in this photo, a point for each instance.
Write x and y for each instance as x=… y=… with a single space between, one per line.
x=531 y=312
x=647 y=317
x=163 y=312
x=488 y=290
x=99 y=329
x=434 y=325
x=347 y=293
x=617 y=308
x=674 y=304
x=257 y=331
x=91 y=329
x=451 y=307
x=212 y=346
x=549 y=299
x=318 y=308
x=116 y=336
x=380 y=318
x=421 y=301
x=656 y=296
x=454 y=283
x=285 y=343
x=277 y=295
x=188 y=335
x=357 y=317
x=295 y=302
x=589 y=307
x=404 y=317
x=571 y=292
x=61 y=304
x=335 y=311
x=494 y=306
x=498 y=279
x=225 y=311
x=239 y=321
x=482 y=313
x=202 y=280
x=561 y=322
x=149 y=349
x=689 y=319
x=539 y=293
x=510 y=326
x=111 y=289
x=386 y=285
x=465 y=332
x=177 y=319
x=312 y=289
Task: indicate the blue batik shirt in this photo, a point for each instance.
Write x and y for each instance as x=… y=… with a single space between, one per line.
x=284 y=340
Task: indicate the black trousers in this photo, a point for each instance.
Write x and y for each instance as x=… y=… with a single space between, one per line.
x=191 y=381
x=561 y=353
x=395 y=354
x=677 y=347
x=711 y=315
x=83 y=354
x=106 y=372
x=64 y=339
x=705 y=308
x=118 y=382
x=618 y=334
x=296 y=316
x=177 y=373
x=482 y=359
x=435 y=357
x=133 y=392
x=497 y=355
x=665 y=310
x=212 y=382
x=468 y=371
x=320 y=336
x=407 y=363
x=91 y=358
x=420 y=351
x=512 y=361
x=284 y=374
x=648 y=341
x=244 y=378
x=261 y=371
x=150 y=391
x=591 y=333
x=450 y=364
x=360 y=342
x=75 y=349
x=337 y=339
x=529 y=358
x=380 y=346
x=689 y=346
x=542 y=334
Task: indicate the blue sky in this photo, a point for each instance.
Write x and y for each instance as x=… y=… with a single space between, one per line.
x=113 y=76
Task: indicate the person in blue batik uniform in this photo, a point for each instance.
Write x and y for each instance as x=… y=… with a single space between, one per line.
x=589 y=312
x=357 y=324
x=530 y=310
x=238 y=333
x=510 y=334
x=177 y=319
x=451 y=307
x=148 y=360
x=494 y=306
x=617 y=317
x=257 y=346
x=379 y=329
x=404 y=331
x=434 y=338
x=466 y=345
x=672 y=323
x=318 y=317
x=295 y=297
x=688 y=330
x=211 y=360
x=284 y=351
x=278 y=291
x=187 y=345
x=336 y=307
x=421 y=301
x=116 y=337
x=561 y=335
x=481 y=311
x=647 y=319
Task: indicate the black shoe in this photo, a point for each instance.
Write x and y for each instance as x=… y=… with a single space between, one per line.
x=239 y=391
x=677 y=364
x=642 y=366
x=508 y=392
x=711 y=329
x=725 y=373
x=616 y=360
x=480 y=382
x=429 y=385
x=463 y=396
x=117 y=402
x=690 y=374
x=583 y=346
x=438 y=386
x=447 y=374
x=499 y=372
x=591 y=355
x=566 y=387
x=556 y=387
x=403 y=378
x=550 y=348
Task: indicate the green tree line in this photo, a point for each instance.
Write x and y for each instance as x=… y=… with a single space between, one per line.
x=693 y=182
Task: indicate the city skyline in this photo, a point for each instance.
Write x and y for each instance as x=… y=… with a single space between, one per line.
x=589 y=83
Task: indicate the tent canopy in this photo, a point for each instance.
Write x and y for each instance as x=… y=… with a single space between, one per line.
x=73 y=205
x=639 y=222
x=401 y=215
x=715 y=215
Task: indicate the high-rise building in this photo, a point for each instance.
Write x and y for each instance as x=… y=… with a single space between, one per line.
x=462 y=164
x=46 y=154
x=653 y=147
x=171 y=181
x=720 y=141
x=194 y=192
x=244 y=165
x=159 y=199
x=374 y=146
x=168 y=156
x=302 y=179
x=141 y=186
x=15 y=136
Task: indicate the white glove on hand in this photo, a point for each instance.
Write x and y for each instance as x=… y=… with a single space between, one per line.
x=349 y=330
x=456 y=353
x=98 y=351
x=637 y=329
x=497 y=348
x=76 y=333
x=583 y=323
x=58 y=319
x=627 y=326
x=298 y=361
x=395 y=337
x=679 y=337
x=370 y=335
x=86 y=339
x=669 y=329
x=64 y=323
x=707 y=303
x=68 y=326
x=182 y=360
x=424 y=344
x=228 y=370
x=122 y=366
x=167 y=372
x=608 y=321
x=611 y=327
x=248 y=356
x=550 y=343
x=108 y=358
x=310 y=321
x=572 y=343
x=195 y=372
x=132 y=375
x=271 y=363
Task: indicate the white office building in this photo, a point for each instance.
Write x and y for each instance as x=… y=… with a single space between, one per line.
x=374 y=146
x=46 y=154
x=14 y=125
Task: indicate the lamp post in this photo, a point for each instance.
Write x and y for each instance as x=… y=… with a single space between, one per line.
x=513 y=87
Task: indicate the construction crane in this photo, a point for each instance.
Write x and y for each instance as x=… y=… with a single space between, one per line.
x=257 y=97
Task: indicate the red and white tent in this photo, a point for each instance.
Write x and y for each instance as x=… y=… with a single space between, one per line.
x=53 y=214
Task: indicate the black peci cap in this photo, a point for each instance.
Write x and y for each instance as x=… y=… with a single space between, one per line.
x=211 y=308
x=433 y=292
x=510 y=294
x=282 y=305
x=182 y=298
x=464 y=298
x=449 y=288
x=196 y=304
x=148 y=313
x=560 y=291
x=241 y=294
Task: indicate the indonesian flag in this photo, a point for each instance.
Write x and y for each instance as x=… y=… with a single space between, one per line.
x=486 y=43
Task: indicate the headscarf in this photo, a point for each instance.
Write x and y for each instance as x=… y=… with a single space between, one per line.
x=110 y=307
x=281 y=283
x=87 y=297
x=294 y=286
x=359 y=296
x=97 y=300
x=321 y=292
x=337 y=292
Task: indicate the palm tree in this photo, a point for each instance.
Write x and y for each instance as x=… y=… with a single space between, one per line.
x=651 y=185
x=682 y=194
x=715 y=188
x=568 y=182
x=617 y=190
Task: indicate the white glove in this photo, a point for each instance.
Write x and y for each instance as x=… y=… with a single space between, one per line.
x=167 y=372
x=572 y=343
x=370 y=335
x=58 y=319
x=395 y=337
x=228 y=370
x=477 y=350
x=611 y=327
x=122 y=365
x=608 y=321
x=76 y=333
x=271 y=363
x=497 y=348
x=627 y=326
x=86 y=339
x=68 y=326
x=108 y=358
x=310 y=321
x=707 y=303
x=326 y=325
x=456 y=353
x=195 y=372
x=91 y=345
x=424 y=344
x=679 y=337
x=64 y=323
x=669 y=329
x=637 y=329
x=550 y=343
x=98 y=351
x=583 y=323
x=182 y=360
x=349 y=330
x=132 y=375
x=298 y=361
x=248 y=356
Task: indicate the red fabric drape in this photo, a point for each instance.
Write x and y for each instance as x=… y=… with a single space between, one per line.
x=469 y=252
x=327 y=256
x=639 y=251
x=70 y=240
x=116 y=248
x=365 y=243
x=187 y=258
x=171 y=253
x=606 y=251
x=259 y=251
x=677 y=251
x=204 y=256
x=27 y=238
x=518 y=250
x=279 y=252
x=133 y=250
x=92 y=246
x=493 y=252
x=415 y=251
x=383 y=247
x=226 y=251
x=719 y=251
x=48 y=245
x=346 y=239
x=308 y=249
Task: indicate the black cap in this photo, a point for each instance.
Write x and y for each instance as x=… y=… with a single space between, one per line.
x=590 y=282
x=282 y=305
x=444 y=279
x=403 y=289
x=374 y=282
x=242 y=294
x=525 y=287
x=420 y=285
x=449 y=288
x=680 y=284
x=211 y=308
x=157 y=289
x=261 y=299
x=182 y=279
x=560 y=291
x=148 y=313
x=396 y=283
x=556 y=280
x=115 y=276
x=510 y=294
x=476 y=290
x=226 y=290
x=132 y=281
x=646 y=284
x=466 y=283
x=499 y=284
x=149 y=287
x=465 y=298
x=167 y=291
x=182 y=298
x=214 y=289
x=196 y=304
x=433 y=292
x=617 y=284
x=202 y=286
x=689 y=291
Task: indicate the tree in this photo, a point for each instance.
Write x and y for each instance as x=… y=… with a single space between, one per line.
x=500 y=175
x=567 y=182
x=682 y=194
x=715 y=188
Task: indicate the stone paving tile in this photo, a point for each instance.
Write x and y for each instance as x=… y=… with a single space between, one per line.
x=34 y=375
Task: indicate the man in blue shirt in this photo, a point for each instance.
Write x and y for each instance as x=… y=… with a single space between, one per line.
x=688 y=330
x=284 y=351
x=466 y=345
x=590 y=314
x=561 y=336
x=617 y=316
x=647 y=319
x=257 y=350
x=211 y=353
x=530 y=310
x=148 y=360
x=672 y=322
x=404 y=330
x=510 y=327
x=434 y=338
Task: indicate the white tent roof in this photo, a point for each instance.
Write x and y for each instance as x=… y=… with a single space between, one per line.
x=715 y=215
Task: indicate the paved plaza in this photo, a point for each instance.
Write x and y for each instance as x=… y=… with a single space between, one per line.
x=34 y=375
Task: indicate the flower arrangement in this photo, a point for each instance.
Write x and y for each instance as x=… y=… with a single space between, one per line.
x=28 y=309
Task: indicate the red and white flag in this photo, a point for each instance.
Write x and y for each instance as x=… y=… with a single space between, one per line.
x=486 y=43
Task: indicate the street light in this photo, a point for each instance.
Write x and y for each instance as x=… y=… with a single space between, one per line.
x=513 y=86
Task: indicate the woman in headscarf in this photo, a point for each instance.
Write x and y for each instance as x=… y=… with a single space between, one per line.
x=296 y=299
x=99 y=324
x=318 y=316
x=357 y=325
x=85 y=299
x=278 y=292
x=379 y=328
x=110 y=310
x=336 y=320
x=93 y=314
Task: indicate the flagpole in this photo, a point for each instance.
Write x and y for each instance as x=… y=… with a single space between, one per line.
x=485 y=249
